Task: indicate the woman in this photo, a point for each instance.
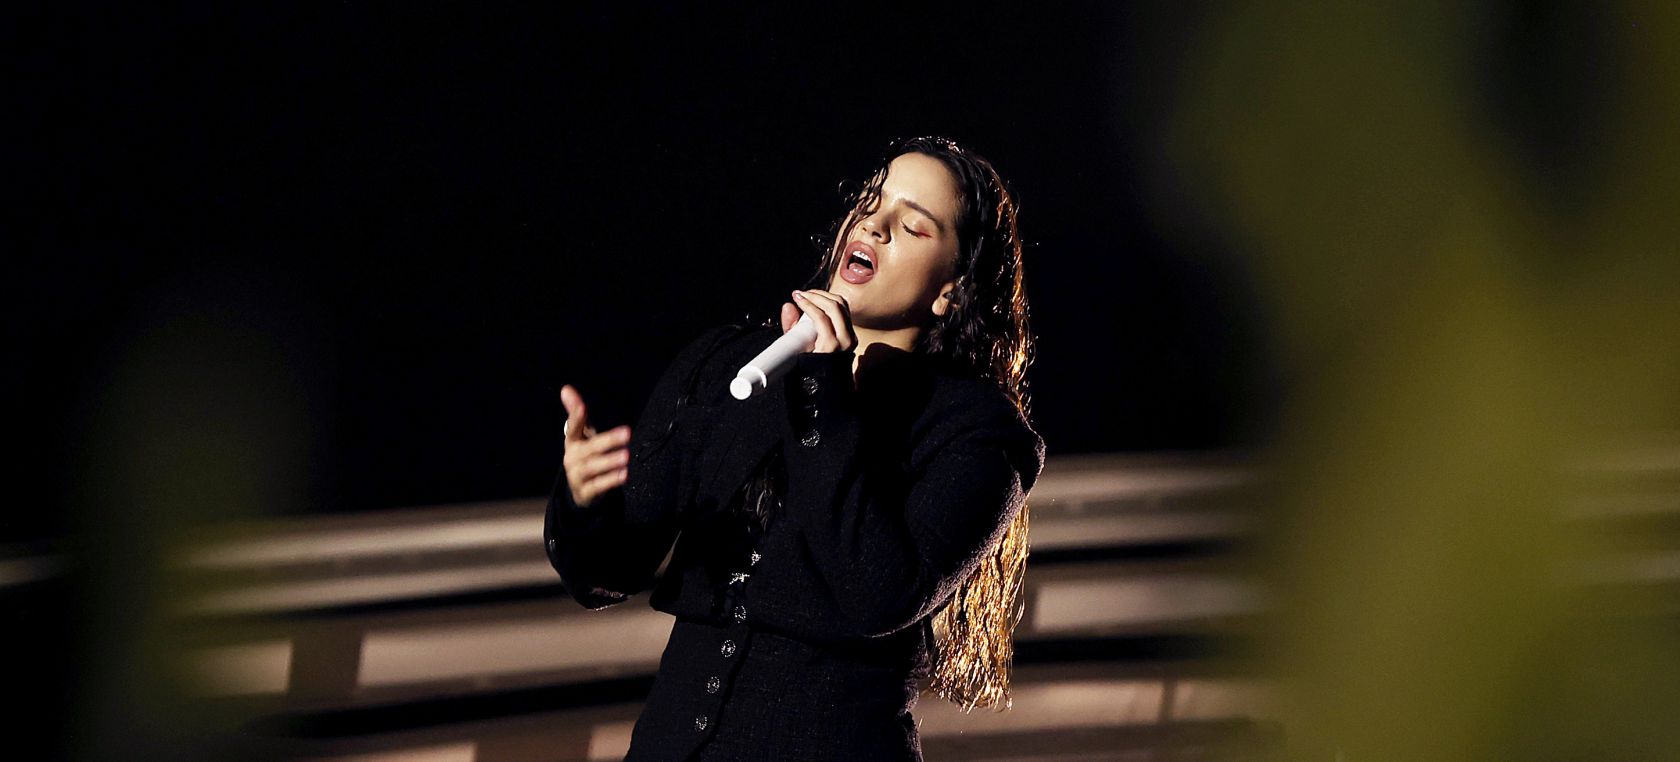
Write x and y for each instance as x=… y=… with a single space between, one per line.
x=857 y=527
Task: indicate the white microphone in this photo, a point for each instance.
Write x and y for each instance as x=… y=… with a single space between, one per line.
x=775 y=360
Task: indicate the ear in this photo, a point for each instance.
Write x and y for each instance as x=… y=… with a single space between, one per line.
x=947 y=299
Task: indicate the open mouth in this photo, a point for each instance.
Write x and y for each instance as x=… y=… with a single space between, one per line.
x=858 y=267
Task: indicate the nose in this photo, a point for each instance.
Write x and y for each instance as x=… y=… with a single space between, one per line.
x=871 y=224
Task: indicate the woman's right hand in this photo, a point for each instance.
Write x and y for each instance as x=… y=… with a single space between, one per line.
x=829 y=313
x=594 y=462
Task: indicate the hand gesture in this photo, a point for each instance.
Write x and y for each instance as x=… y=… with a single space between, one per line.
x=594 y=462
x=831 y=315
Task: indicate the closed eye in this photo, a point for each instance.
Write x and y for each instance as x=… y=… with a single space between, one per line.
x=913 y=232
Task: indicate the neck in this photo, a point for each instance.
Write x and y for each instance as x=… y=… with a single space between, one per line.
x=875 y=344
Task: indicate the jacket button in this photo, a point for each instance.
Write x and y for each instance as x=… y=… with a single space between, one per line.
x=551 y=546
x=810 y=439
x=740 y=613
x=810 y=385
x=728 y=649
x=714 y=684
x=755 y=557
x=736 y=578
x=700 y=722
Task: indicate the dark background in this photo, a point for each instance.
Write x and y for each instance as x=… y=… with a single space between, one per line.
x=376 y=241
x=337 y=258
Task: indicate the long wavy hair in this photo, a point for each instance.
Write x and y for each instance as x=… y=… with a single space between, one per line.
x=985 y=332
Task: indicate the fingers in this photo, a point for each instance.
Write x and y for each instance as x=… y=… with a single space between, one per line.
x=826 y=342
x=597 y=444
x=832 y=316
x=597 y=464
x=594 y=487
x=790 y=315
x=835 y=306
x=577 y=419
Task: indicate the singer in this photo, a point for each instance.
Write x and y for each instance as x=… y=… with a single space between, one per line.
x=857 y=527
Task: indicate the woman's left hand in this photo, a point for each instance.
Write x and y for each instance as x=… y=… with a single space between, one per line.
x=831 y=315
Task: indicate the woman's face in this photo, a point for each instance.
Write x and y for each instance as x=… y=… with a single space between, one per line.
x=910 y=240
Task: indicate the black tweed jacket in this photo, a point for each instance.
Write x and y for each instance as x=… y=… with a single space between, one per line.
x=801 y=639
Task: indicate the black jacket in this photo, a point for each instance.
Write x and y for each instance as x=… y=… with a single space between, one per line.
x=802 y=639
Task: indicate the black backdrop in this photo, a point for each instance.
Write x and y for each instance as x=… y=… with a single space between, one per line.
x=375 y=241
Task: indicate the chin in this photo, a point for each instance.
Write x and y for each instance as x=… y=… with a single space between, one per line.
x=840 y=286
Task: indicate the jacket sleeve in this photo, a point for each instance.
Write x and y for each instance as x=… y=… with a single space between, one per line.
x=611 y=549
x=863 y=549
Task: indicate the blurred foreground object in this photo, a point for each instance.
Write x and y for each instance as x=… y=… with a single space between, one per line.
x=1461 y=218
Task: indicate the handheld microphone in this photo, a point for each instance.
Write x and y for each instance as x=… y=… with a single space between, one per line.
x=775 y=360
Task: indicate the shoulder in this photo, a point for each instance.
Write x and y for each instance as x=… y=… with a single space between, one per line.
x=722 y=342
x=721 y=336
x=966 y=405
x=738 y=338
x=715 y=353
x=971 y=402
